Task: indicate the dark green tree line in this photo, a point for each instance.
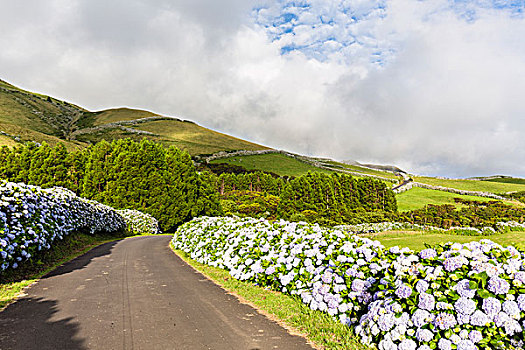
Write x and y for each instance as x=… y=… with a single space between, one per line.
x=123 y=174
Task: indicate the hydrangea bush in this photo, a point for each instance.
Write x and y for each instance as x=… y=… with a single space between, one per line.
x=31 y=218
x=452 y=296
x=139 y=223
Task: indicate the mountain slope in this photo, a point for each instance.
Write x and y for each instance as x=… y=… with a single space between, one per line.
x=27 y=116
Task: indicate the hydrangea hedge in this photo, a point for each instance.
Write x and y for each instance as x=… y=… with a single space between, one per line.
x=31 y=218
x=139 y=223
x=452 y=296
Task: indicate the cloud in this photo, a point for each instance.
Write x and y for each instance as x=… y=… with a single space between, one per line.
x=433 y=86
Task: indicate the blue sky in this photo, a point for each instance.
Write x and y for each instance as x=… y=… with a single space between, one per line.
x=322 y=29
x=433 y=86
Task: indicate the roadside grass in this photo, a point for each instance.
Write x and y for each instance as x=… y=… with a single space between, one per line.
x=275 y=162
x=319 y=328
x=13 y=282
x=472 y=185
x=417 y=198
x=416 y=240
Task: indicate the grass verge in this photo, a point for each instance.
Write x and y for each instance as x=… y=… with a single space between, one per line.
x=13 y=282
x=320 y=329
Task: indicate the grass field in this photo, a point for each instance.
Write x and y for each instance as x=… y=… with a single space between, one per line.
x=195 y=138
x=275 y=162
x=362 y=170
x=316 y=326
x=7 y=141
x=32 y=135
x=509 y=180
x=120 y=114
x=472 y=185
x=417 y=197
x=417 y=239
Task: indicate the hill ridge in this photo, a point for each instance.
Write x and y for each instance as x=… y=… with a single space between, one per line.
x=27 y=116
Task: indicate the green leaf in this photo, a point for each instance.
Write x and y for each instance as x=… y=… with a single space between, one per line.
x=483 y=293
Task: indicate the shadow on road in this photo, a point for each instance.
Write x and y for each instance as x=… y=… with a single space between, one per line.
x=28 y=324
x=83 y=260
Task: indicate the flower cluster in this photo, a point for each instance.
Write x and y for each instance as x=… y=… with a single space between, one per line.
x=452 y=296
x=31 y=218
x=139 y=223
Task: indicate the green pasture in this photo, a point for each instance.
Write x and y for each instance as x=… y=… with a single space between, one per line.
x=195 y=138
x=416 y=240
x=472 y=185
x=274 y=162
x=358 y=169
x=509 y=180
x=417 y=198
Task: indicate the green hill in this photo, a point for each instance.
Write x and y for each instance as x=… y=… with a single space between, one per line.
x=27 y=116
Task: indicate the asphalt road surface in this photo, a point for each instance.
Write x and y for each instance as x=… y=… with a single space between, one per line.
x=135 y=294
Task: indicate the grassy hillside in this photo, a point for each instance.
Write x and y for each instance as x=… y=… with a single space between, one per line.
x=360 y=170
x=283 y=164
x=419 y=197
x=472 y=185
x=18 y=134
x=27 y=116
x=274 y=162
x=120 y=114
x=508 y=180
x=36 y=112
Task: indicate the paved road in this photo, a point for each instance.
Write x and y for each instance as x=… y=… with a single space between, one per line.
x=135 y=294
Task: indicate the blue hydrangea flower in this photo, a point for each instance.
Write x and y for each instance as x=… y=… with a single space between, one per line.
x=386 y=322
x=424 y=335
x=465 y=306
x=407 y=344
x=444 y=344
x=421 y=318
x=404 y=291
x=521 y=301
x=512 y=309
x=427 y=253
x=426 y=301
x=463 y=289
x=491 y=306
x=454 y=263
x=445 y=321
x=479 y=318
x=475 y=336
x=498 y=285
x=422 y=286
x=466 y=345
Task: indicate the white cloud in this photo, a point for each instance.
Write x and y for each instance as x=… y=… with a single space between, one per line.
x=415 y=83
